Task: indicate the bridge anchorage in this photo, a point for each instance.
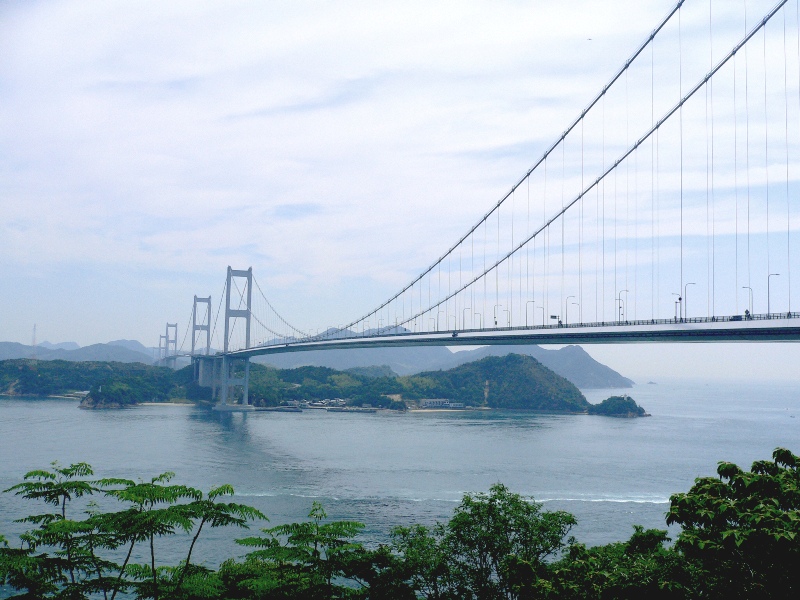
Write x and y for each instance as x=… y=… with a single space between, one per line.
x=665 y=212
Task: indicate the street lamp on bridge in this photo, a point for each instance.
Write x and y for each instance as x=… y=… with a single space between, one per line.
x=677 y=303
x=495 y=313
x=620 y=310
x=566 y=310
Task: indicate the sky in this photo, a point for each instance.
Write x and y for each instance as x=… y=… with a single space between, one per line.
x=337 y=148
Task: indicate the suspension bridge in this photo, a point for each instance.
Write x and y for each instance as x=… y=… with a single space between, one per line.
x=666 y=211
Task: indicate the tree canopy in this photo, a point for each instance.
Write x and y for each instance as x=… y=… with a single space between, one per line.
x=739 y=538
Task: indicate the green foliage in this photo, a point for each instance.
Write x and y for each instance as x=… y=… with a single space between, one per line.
x=373 y=371
x=744 y=527
x=493 y=547
x=499 y=541
x=43 y=378
x=617 y=406
x=69 y=557
x=642 y=567
x=298 y=560
x=739 y=539
x=512 y=381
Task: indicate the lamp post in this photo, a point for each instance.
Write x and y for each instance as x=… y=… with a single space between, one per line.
x=508 y=318
x=526 y=310
x=768 y=278
x=543 y=319
x=480 y=319
x=747 y=287
x=464 y=317
x=620 y=311
x=566 y=310
x=686 y=300
x=495 y=313
x=677 y=302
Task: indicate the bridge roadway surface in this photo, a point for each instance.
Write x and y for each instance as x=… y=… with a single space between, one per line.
x=784 y=327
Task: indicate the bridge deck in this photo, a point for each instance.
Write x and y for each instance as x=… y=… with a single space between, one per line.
x=775 y=328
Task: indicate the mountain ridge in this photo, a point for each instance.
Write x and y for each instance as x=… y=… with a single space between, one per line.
x=570 y=362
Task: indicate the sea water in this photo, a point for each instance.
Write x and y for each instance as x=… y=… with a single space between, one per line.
x=387 y=469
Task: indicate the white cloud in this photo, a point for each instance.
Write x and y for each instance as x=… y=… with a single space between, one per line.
x=323 y=143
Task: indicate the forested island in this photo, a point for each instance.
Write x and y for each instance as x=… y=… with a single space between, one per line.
x=509 y=382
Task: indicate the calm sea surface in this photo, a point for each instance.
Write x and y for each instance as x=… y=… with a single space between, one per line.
x=390 y=469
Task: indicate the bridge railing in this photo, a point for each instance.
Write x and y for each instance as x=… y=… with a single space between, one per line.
x=392 y=332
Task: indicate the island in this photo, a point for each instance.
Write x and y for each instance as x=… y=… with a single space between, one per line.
x=618 y=406
x=511 y=382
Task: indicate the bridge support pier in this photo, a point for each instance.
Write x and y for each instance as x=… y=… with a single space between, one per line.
x=233 y=373
x=225 y=376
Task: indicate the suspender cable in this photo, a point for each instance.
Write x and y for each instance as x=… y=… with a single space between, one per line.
x=547 y=153
x=635 y=146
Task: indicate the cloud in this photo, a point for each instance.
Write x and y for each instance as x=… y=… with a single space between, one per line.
x=322 y=143
x=290 y=212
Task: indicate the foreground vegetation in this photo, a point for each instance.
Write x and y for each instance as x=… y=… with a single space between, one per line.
x=739 y=538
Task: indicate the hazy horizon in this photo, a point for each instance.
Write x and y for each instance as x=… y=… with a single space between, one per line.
x=147 y=147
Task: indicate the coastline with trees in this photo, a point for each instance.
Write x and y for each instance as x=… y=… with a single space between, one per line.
x=515 y=382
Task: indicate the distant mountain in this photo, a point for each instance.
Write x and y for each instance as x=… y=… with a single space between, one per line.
x=571 y=362
x=95 y=352
x=132 y=345
x=61 y=345
x=372 y=372
x=403 y=361
x=10 y=350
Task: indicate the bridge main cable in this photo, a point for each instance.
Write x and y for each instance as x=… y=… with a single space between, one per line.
x=597 y=181
x=544 y=157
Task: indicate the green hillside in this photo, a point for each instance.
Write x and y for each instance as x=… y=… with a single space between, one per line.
x=514 y=381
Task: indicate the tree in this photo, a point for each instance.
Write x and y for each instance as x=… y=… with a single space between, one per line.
x=642 y=567
x=63 y=557
x=499 y=542
x=297 y=560
x=494 y=546
x=744 y=528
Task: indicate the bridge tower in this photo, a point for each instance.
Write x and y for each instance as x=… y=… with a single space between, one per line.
x=171 y=345
x=204 y=326
x=200 y=366
x=235 y=372
x=162 y=349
